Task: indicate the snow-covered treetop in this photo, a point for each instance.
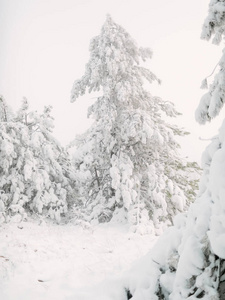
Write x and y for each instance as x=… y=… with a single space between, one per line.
x=114 y=56
x=215 y=22
x=6 y=113
x=33 y=119
x=212 y=102
x=115 y=67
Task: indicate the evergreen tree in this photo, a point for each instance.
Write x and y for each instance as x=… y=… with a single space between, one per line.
x=35 y=172
x=6 y=113
x=128 y=166
x=188 y=262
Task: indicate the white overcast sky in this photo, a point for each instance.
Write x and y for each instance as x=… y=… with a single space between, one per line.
x=44 y=48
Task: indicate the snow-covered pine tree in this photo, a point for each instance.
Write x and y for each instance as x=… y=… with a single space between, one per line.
x=6 y=113
x=128 y=166
x=188 y=262
x=36 y=174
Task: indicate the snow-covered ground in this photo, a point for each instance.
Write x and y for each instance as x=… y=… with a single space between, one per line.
x=66 y=262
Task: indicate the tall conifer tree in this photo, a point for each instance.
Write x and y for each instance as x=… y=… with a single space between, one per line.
x=128 y=166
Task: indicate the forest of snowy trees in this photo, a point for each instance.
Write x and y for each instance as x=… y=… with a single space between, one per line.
x=127 y=168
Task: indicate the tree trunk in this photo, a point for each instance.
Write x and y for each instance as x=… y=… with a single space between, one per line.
x=221 y=288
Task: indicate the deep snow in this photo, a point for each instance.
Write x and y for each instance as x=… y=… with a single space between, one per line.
x=64 y=262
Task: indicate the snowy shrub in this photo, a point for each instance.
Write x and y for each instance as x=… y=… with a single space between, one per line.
x=128 y=165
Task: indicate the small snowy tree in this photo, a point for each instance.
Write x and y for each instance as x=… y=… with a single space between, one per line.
x=6 y=113
x=128 y=166
x=188 y=262
x=35 y=172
